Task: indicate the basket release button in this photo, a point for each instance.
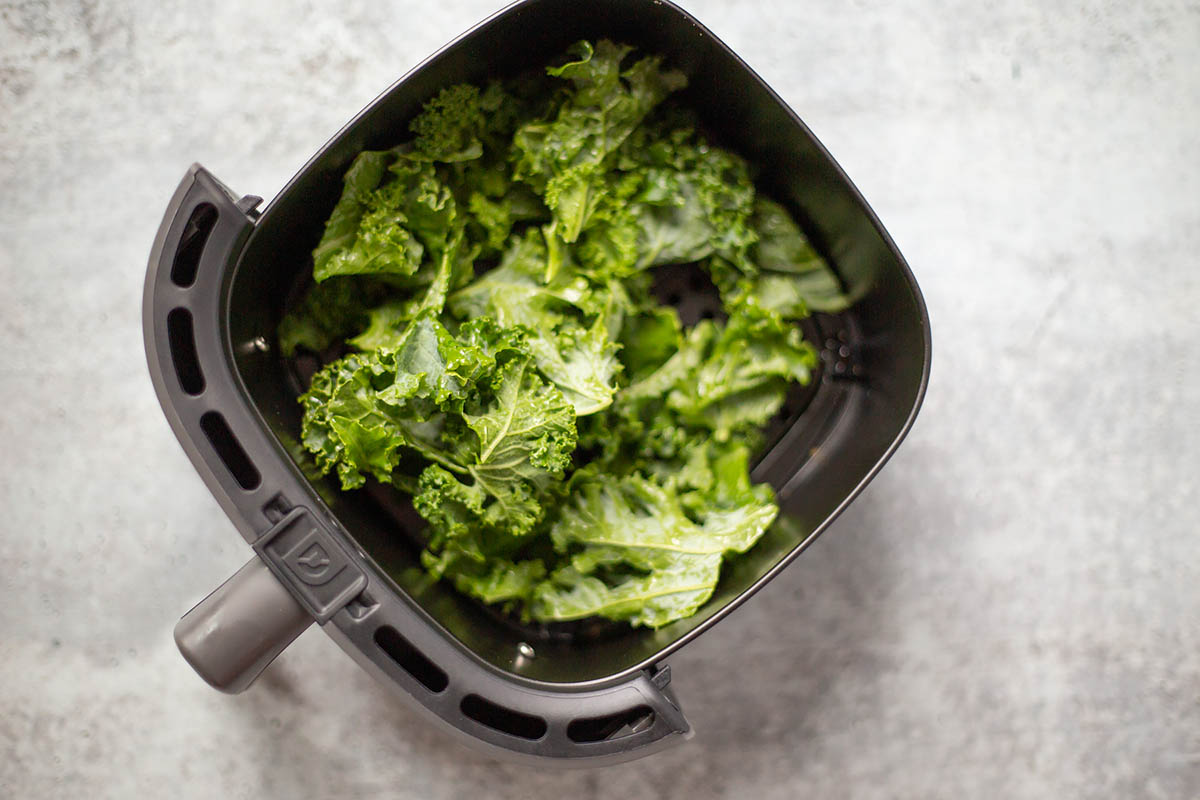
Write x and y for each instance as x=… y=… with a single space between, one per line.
x=306 y=557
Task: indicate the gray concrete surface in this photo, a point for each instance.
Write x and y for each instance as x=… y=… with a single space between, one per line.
x=1011 y=610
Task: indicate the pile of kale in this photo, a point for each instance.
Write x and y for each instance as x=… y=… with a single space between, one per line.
x=575 y=449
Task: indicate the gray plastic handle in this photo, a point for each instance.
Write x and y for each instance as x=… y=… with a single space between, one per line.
x=231 y=636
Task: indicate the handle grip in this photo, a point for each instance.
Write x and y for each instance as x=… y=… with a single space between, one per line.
x=231 y=636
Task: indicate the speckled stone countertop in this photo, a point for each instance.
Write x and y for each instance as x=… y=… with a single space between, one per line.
x=1012 y=609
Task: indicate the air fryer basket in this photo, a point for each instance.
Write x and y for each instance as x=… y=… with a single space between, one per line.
x=219 y=276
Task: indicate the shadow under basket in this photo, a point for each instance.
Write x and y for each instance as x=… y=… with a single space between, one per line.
x=589 y=692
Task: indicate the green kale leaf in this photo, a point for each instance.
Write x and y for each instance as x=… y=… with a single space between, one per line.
x=638 y=555
x=795 y=279
x=568 y=319
x=564 y=157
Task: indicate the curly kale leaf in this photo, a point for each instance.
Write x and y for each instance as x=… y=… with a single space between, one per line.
x=363 y=412
x=791 y=278
x=719 y=381
x=449 y=127
x=367 y=233
x=744 y=374
x=473 y=405
x=563 y=157
x=649 y=551
x=569 y=320
x=678 y=202
x=359 y=183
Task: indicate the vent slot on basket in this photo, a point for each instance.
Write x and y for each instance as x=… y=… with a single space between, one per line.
x=181 y=338
x=191 y=244
x=411 y=660
x=612 y=726
x=502 y=719
x=230 y=451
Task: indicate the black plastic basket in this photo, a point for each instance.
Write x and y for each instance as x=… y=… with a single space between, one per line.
x=219 y=276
